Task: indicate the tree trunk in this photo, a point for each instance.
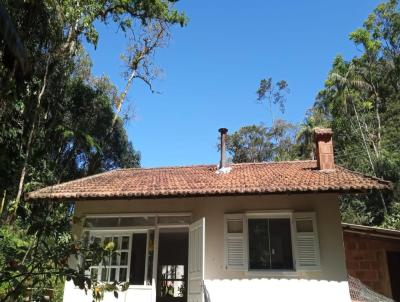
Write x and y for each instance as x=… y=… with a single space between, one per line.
x=369 y=155
x=29 y=145
x=122 y=98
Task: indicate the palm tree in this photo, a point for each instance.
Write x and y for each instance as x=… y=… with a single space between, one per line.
x=304 y=136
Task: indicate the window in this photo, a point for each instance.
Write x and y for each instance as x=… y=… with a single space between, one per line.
x=147 y=220
x=172 y=281
x=114 y=267
x=270 y=244
x=131 y=261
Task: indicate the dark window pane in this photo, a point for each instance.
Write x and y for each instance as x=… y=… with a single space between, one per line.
x=137 y=221
x=122 y=274
x=138 y=259
x=259 y=256
x=281 y=244
x=94 y=273
x=116 y=245
x=114 y=258
x=101 y=222
x=123 y=258
x=125 y=243
x=112 y=274
x=150 y=258
x=104 y=274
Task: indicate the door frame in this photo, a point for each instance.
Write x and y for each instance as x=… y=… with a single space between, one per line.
x=155 y=259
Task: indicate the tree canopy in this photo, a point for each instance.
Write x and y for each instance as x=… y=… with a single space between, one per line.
x=58 y=122
x=360 y=102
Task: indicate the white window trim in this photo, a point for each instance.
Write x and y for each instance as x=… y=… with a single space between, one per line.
x=109 y=215
x=109 y=233
x=139 y=229
x=297 y=270
x=271 y=215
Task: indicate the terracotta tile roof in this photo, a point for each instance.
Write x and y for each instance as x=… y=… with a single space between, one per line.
x=246 y=178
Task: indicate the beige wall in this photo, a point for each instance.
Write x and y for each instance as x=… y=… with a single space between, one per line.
x=213 y=209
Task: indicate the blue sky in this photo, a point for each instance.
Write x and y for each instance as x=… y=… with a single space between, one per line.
x=213 y=66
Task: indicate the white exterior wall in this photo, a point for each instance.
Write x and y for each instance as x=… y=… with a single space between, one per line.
x=327 y=284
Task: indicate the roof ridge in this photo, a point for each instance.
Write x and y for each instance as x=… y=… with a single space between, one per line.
x=167 y=167
x=275 y=162
x=216 y=165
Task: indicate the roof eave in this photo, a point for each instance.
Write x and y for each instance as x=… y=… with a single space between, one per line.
x=69 y=197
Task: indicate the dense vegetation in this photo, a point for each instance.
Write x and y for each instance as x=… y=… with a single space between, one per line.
x=58 y=122
x=361 y=103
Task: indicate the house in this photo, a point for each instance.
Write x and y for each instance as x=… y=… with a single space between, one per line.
x=373 y=257
x=239 y=232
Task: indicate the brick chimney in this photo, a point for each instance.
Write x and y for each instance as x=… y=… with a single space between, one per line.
x=324 y=148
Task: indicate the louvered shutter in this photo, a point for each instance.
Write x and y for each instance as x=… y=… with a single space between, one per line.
x=307 y=244
x=235 y=252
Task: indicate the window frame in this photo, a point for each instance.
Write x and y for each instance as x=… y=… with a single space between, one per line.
x=270 y=215
x=116 y=230
x=114 y=233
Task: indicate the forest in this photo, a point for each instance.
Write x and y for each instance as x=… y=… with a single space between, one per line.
x=59 y=122
x=360 y=102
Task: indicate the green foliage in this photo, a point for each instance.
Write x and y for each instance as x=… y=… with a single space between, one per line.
x=258 y=143
x=273 y=94
x=57 y=123
x=360 y=102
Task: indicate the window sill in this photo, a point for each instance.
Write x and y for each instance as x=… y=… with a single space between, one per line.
x=273 y=273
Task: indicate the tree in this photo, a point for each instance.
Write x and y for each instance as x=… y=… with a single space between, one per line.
x=305 y=135
x=257 y=143
x=57 y=123
x=360 y=101
x=273 y=94
x=250 y=144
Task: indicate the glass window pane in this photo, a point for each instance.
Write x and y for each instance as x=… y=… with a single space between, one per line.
x=114 y=258
x=172 y=289
x=180 y=271
x=101 y=222
x=123 y=258
x=174 y=219
x=93 y=273
x=122 y=274
x=116 y=245
x=281 y=244
x=137 y=221
x=259 y=251
x=106 y=260
x=125 y=243
x=138 y=259
x=235 y=226
x=150 y=249
x=113 y=274
x=107 y=240
x=104 y=274
x=304 y=226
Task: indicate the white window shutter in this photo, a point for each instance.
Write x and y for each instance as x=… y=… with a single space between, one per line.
x=307 y=243
x=235 y=247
